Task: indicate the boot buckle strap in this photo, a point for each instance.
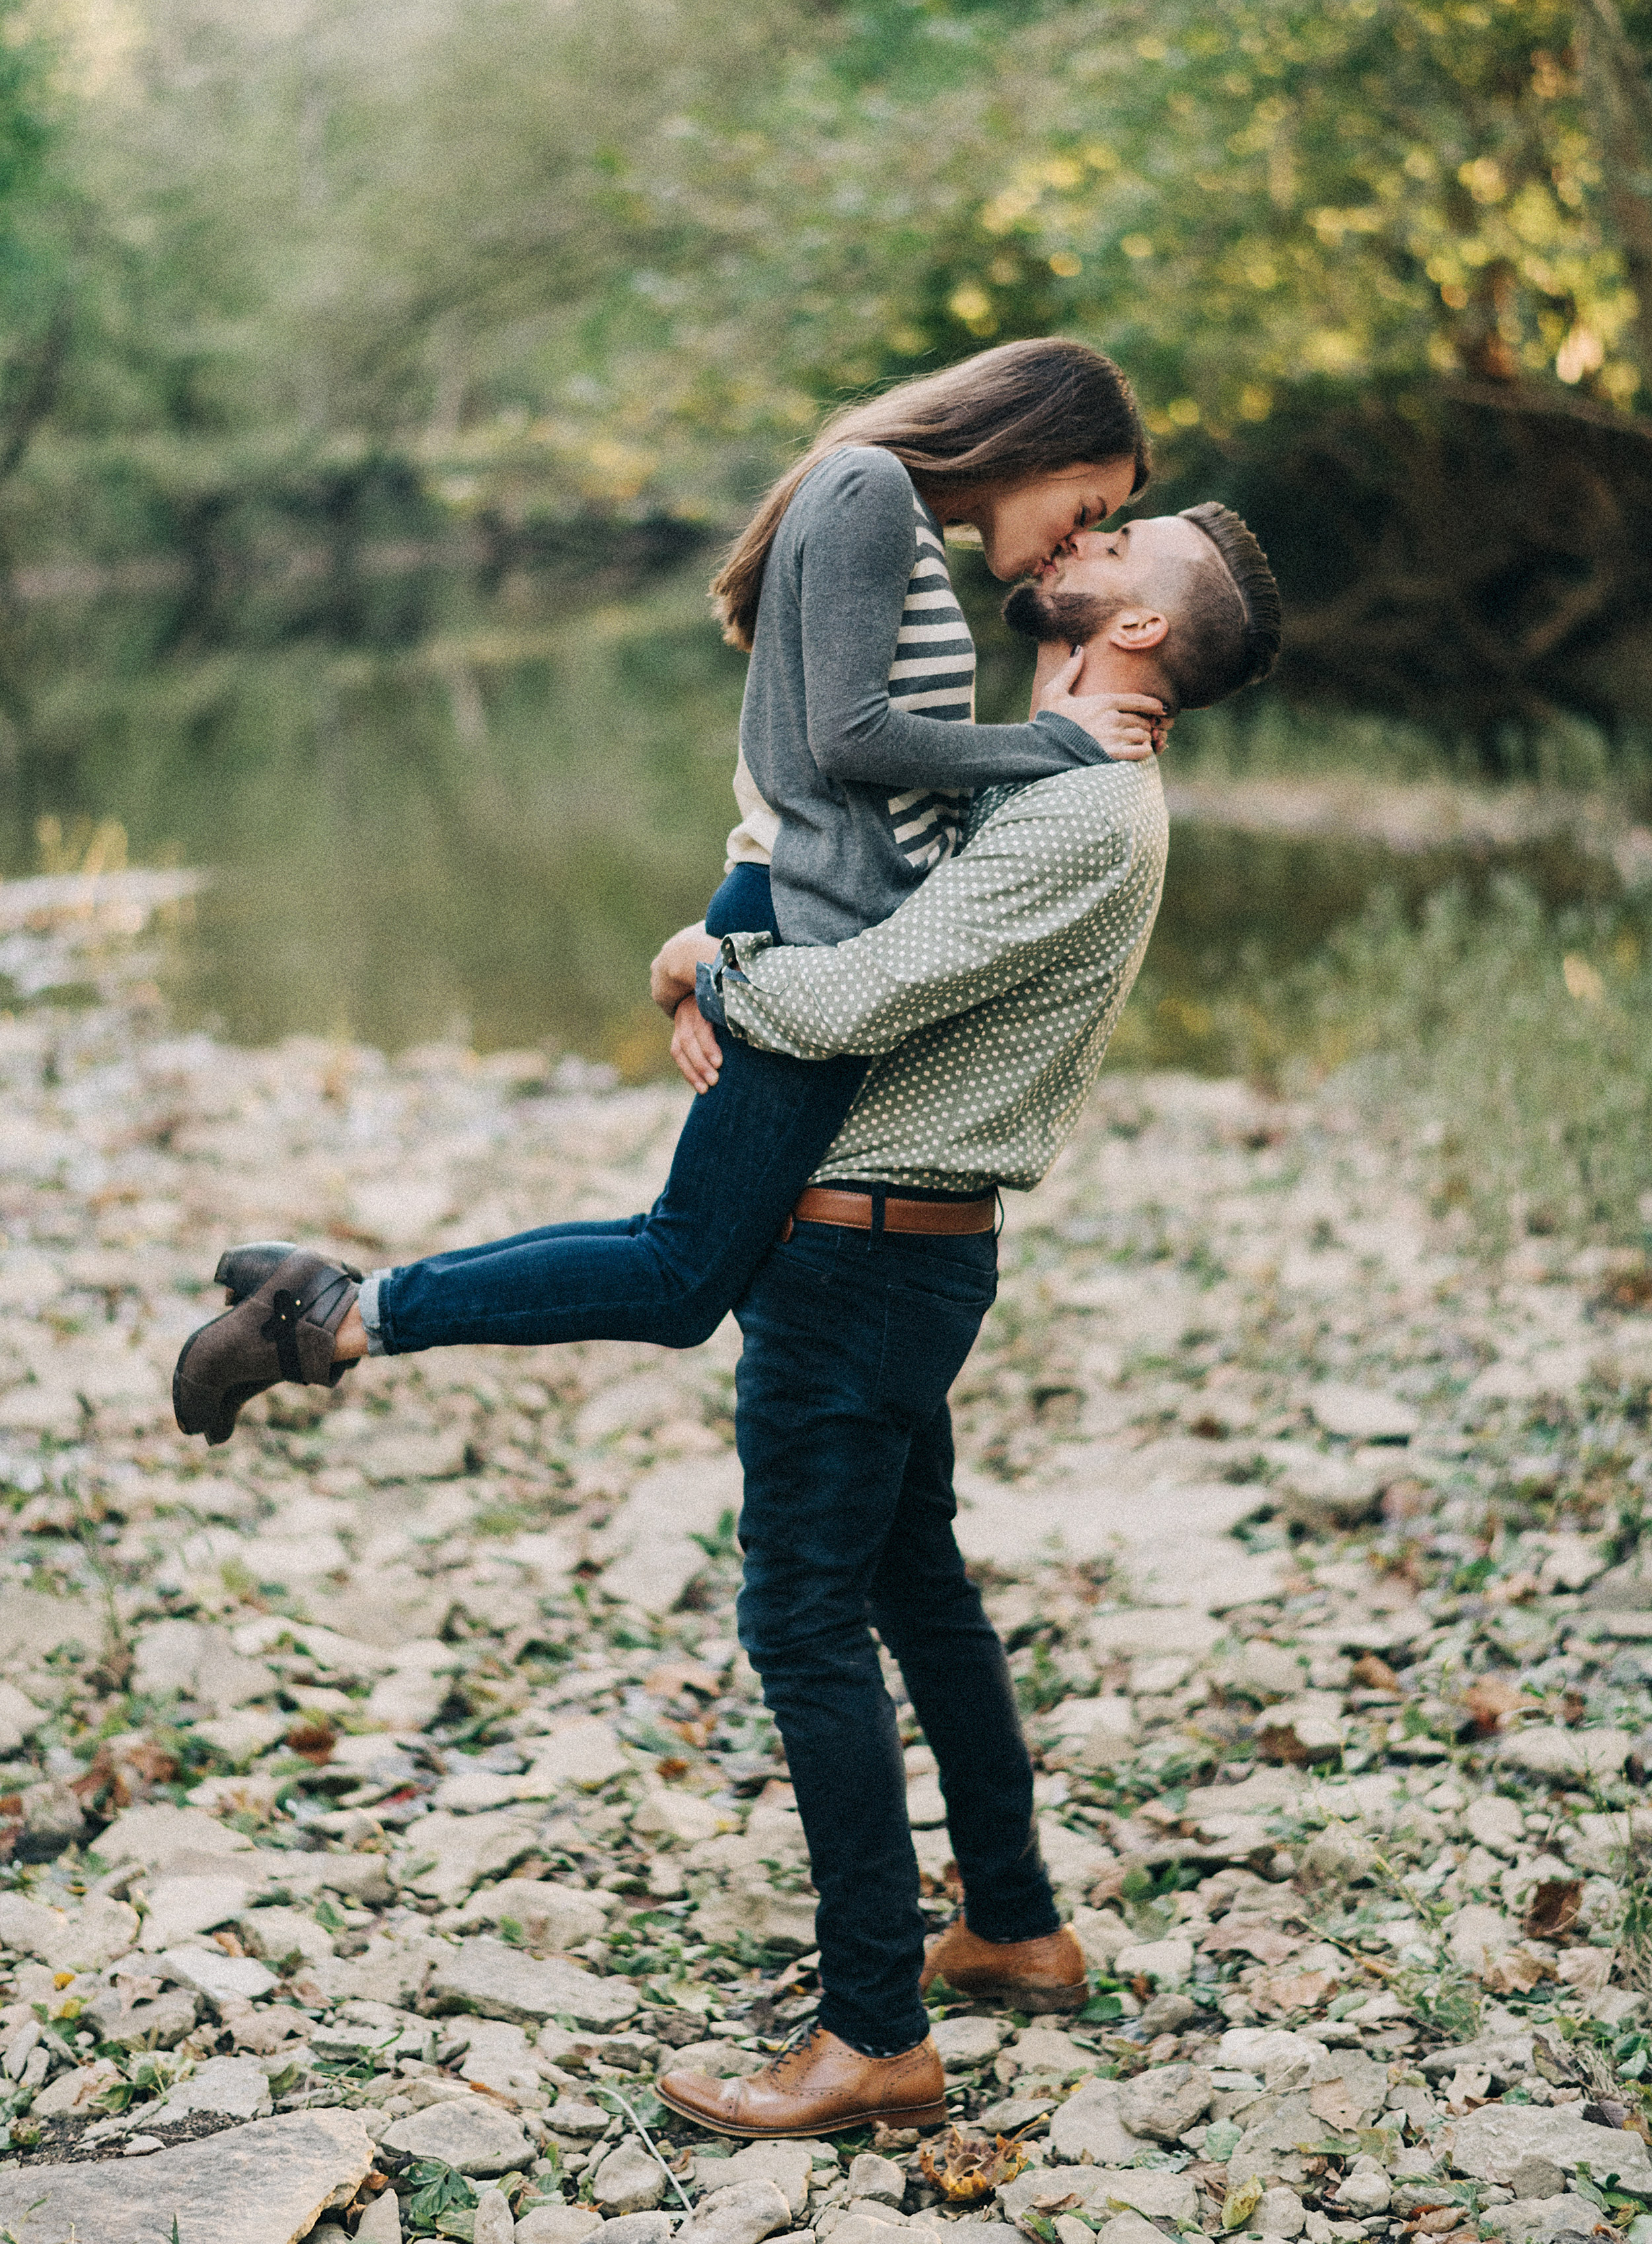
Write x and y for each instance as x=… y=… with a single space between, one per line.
x=281 y=1326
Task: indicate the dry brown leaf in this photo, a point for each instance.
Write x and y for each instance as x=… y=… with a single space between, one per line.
x=1553 y=1909
x=1251 y=1936
x=314 y=1742
x=966 y=2167
x=1514 y=1972
x=1305 y=1992
x=1490 y=1700
x=1334 y=2102
x=1374 y=1674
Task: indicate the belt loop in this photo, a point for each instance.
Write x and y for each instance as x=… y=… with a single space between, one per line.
x=998 y=1221
x=786 y=1230
x=878 y=1198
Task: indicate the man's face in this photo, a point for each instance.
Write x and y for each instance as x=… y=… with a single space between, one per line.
x=1127 y=580
x=1111 y=564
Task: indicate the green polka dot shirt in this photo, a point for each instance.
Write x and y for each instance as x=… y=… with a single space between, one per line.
x=987 y=999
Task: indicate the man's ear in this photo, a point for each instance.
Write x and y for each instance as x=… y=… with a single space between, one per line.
x=1136 y=630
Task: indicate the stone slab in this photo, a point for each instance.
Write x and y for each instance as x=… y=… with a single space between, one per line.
x=266 y=2183
x=485 y=1976
x=1490 y=2143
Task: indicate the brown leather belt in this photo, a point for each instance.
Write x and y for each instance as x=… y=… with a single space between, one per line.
x=950 y=1219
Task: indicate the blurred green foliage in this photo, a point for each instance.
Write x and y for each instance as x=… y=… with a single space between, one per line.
x=289 y=284
x=623 y=255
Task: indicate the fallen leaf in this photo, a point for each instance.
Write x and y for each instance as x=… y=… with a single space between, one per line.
x=1469 y=2086
x=313 y=1741
x=1305 y=1992
x=1442 y=2219
x=1239 y=2204
x=965 y=2167
x=1514 y=1972
x=1490 y=1699
x=1251 y=1936
x=1333 y=2102
x=1586 y=1969
x=1511 y=1589
x=1374 y=1674
x=1552 y=1908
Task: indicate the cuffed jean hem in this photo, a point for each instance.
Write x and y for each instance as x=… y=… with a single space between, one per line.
x=367 y=1305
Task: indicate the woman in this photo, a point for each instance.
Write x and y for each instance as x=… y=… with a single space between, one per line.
x=857 y=746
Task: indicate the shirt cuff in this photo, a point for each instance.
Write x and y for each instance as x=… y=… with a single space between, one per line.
x=708 y=994
x=367 y=1303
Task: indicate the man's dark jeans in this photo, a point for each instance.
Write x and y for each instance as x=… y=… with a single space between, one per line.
x=851 y=1344
x=748 y=1146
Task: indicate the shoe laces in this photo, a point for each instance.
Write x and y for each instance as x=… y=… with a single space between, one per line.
x=794 y=2045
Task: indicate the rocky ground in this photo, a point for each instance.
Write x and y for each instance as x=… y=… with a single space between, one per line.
x=383 y=1796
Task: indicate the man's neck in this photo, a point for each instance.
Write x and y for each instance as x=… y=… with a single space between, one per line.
x=1104 y=669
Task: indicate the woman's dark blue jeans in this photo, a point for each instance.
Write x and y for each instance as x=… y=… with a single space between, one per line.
x=851 y=1343
x=747 y=1148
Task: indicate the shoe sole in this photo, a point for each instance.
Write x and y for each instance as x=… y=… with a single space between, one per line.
x=925 y=2116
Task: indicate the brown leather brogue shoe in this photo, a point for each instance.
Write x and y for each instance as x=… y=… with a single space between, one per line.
x=819 y=2087
x=1018 y=1974
x=283 y=1329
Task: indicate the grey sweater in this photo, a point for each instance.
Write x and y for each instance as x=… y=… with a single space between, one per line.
x=857 y=726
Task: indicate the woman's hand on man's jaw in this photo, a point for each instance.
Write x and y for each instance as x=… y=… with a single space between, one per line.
x=671 y=978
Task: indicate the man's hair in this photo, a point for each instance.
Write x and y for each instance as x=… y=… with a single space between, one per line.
x=1223 y=612
x=1213 y=652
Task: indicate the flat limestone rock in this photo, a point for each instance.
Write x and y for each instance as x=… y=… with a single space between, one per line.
x=1490 y=2143
x=962 y=2043
x=220 y=1978
x=790 y=2166
x=1361 y=1414
x=237 y=2086
x=1156 y=2196
x=550 y=1915
x=742 y=2213
x=92 y=1935
x=265 y=2183
x=647 y=1547
x=1266 y=2150
x=585 y=1753
x=150 y=1835
x=1087 y=2129
x=1534 y=2219
x=485 y=1976
x=628 y=2181
x=472 y=2135
x=30 y=1622
x=1566 y=1755
x=446 y=1855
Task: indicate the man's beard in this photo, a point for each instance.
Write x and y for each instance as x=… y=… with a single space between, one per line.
x=1074 y=618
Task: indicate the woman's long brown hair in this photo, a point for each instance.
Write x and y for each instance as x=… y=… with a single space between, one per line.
x=1020 y=411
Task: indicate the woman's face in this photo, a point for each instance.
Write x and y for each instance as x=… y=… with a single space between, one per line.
x=1024 y=525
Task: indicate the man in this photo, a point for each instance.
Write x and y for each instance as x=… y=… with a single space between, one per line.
x=987 y=999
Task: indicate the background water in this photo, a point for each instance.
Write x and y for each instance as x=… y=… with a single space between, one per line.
x=437 y=802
